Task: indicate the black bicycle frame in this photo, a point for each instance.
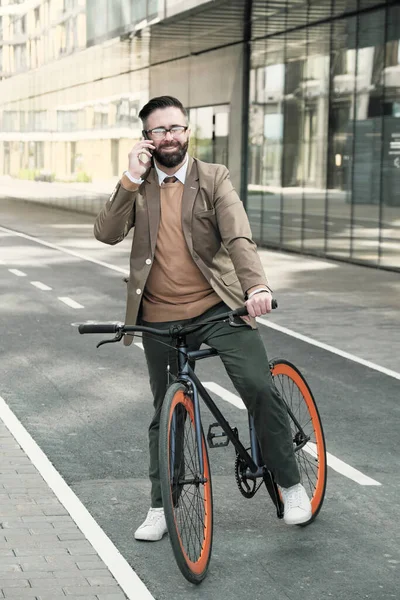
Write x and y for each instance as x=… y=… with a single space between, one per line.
x=188 y=376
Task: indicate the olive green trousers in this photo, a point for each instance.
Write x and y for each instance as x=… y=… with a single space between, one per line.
x=245 y=359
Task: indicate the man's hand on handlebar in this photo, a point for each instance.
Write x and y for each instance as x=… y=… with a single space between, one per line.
x=258 y=305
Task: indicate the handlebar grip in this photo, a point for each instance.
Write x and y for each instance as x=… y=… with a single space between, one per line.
x=98 y=328
x=242 y=312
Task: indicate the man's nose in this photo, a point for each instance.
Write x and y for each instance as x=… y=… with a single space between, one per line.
x=169 y=136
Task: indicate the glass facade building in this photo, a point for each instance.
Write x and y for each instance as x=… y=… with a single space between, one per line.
x=299 y=98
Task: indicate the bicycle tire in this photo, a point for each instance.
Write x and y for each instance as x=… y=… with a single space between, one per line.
x=311 y=459
x=188 y=504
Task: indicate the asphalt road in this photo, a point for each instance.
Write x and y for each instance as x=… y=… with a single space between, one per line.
x=89 y=409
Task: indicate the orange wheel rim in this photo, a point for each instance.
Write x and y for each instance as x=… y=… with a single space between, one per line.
x=198 y=566
x=284 y=369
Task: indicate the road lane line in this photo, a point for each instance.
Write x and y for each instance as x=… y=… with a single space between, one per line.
x=41 y=286
x=70 y=302
x=261 y=320
x=139 y=345
x=341 y=467
x=65 y=250
x=224 y=394
x=125 y=576
x=328 y=348
x=17 y=272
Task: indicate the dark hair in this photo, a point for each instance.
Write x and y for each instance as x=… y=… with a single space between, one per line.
x=161 y=102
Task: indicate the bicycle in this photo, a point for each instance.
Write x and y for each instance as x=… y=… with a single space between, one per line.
x=185 y=472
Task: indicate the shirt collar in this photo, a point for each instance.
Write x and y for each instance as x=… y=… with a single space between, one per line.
x=180 y=174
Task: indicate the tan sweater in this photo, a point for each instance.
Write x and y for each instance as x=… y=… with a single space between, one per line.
x=176 y=288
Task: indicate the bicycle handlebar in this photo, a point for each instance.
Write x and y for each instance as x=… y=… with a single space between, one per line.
x=174 y=331
x=99 y=327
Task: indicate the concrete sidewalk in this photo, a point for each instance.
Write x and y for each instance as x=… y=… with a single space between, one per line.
x=44 y=555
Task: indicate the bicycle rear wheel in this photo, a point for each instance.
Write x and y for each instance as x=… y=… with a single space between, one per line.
x=186 y=489
x=302 y=411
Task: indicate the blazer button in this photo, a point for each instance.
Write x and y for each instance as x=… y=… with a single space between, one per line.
x=148 y=261
x=138 y=291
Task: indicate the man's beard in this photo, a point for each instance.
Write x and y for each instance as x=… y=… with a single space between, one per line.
x=171 y=159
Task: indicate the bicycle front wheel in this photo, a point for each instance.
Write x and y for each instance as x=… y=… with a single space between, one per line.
x=186 y=488
x=307 y=433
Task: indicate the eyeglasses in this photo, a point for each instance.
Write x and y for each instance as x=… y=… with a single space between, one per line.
x=159 y=133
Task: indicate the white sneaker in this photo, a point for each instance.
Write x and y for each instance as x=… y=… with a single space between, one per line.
x=297 y=506
x=154 y=527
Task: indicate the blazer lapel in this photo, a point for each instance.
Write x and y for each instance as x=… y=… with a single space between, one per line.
x=189 y=196
x=153 y=205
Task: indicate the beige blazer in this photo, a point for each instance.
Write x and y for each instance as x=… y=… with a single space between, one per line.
x=214 y=223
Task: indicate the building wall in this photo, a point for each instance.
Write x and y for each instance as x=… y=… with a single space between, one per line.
x=324 y=132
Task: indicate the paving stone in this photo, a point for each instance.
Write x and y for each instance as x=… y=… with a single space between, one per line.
x=51 y=596
x=95 y=589
x=107 y=580
x=114 y=596
x=26 y=575
x=80 y=548
x=9 y=568
x=90 y=564
x=19 y=593
x=73 y=535
x=55 y=510
x=39 y=549
x=32 y=539
x=59 y=583
x=12 y=583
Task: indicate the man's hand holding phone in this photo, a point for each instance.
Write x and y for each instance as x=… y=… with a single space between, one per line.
x=137 y=166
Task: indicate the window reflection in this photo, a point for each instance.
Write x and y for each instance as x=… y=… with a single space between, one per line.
x=324 y=139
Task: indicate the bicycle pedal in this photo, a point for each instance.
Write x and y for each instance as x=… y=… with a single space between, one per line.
x=224 y=440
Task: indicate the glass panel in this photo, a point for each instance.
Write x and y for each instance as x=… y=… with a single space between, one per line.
x=340 y=146
x=293 y=170
x=368 y=136
x=390 y=232
x=266 y=140
x=315 y=92
x=221 y=135
x=201 y=124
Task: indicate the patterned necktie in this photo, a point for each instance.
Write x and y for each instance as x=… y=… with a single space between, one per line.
x=170 y=179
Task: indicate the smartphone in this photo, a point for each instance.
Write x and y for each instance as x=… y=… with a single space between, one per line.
x=146 y=137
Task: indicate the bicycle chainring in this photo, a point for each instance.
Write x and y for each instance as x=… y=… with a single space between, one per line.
x=247 y=487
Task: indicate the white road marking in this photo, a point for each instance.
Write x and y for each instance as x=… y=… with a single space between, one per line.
x=125 y=576
x=224 y=394
x=41 y=286
x=70 y=302
x=341 y=467
x=139 y=345
x=328 y=348
x=65 y=250
x=17 y=272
